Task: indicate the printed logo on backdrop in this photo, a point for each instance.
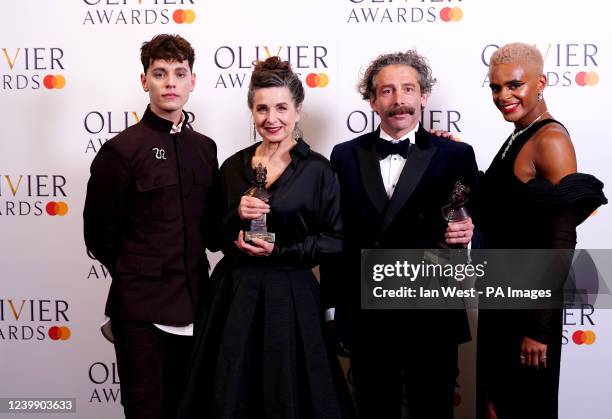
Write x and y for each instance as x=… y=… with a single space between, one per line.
x=32 y=68
x=104 y=379
x=404 y=11
x=579 y=316
x=579 y=324
x=33 y=195
x=310 y=62
x=101 y=126
x=139 y=12
x=363 y=121
x=96 y=269
x=565 y=64
x=32 y=320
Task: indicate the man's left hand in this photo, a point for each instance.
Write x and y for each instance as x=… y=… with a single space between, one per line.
x=459 y=232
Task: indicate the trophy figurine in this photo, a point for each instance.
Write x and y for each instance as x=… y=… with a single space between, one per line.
x=455 y=210
x=259 y=229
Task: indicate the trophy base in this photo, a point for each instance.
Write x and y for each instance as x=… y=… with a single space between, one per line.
x=444 y=245
x=261 y=235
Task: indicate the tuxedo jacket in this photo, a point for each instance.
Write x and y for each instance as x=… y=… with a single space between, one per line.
x=410 y=219
x=150 y=212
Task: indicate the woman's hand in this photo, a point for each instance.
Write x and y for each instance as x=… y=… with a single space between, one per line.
x=251 y=208
x=443 y=134
x=533 y=353
x=257 y=247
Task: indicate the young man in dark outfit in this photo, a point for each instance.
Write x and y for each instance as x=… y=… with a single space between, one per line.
x=150 y=212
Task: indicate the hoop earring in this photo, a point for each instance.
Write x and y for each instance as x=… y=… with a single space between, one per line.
x=297 y=132
x=540 y=96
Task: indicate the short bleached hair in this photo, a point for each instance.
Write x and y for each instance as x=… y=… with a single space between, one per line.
x=518 y=51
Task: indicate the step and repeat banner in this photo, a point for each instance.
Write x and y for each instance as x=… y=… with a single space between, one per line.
x=70 y=80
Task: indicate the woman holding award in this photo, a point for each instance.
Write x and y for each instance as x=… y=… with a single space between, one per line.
x=531 y=198
x=259 y=351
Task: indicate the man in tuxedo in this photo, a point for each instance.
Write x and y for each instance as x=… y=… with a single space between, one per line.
x=150 y=212
x=393 y=184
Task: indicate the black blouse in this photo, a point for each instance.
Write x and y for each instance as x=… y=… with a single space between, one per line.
x=304 y=208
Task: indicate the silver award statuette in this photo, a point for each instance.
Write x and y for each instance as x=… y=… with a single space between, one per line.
x=455 y=210
x=259 y=228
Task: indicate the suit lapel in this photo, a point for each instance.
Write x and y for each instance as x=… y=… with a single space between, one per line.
x=421 y=154
x=369 y=170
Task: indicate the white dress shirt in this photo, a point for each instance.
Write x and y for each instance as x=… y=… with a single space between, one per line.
x=391 y=166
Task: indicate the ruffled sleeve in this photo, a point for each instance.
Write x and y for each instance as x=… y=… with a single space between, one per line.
x=581 y=192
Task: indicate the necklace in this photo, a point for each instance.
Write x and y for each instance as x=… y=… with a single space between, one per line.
x=519 y=132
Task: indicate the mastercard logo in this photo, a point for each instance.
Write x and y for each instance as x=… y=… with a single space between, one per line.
x=59 y=333
x=56 y=208
x=56 y=81
x=584 y=337
x=183 y=16
x=451 y=14
x=317 y=80
x=584 y=78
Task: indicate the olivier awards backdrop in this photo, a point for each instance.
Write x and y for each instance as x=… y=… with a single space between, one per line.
x=69 y=81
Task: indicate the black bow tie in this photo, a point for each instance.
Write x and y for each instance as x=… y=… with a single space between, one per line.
x=386 y=148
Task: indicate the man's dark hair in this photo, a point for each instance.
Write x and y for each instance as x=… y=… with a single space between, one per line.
x=166 y=47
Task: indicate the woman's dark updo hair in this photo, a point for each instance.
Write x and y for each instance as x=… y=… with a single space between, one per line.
x=274 y=72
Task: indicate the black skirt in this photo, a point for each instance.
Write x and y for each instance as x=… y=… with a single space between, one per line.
x=260 y=352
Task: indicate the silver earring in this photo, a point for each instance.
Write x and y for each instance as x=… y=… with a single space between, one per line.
x=254 y=133
x=540 y=96
x=297 y=132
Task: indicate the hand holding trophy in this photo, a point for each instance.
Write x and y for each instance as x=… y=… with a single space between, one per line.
x=455 y=212
x=259 y=228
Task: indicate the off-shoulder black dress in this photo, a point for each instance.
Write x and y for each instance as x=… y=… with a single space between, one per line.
x=535 y=215
x=259 y=350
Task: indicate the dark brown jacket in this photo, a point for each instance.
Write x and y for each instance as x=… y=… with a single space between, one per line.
x=150 y=212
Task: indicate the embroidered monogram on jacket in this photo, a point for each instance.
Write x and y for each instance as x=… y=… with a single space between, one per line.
x=160 y=153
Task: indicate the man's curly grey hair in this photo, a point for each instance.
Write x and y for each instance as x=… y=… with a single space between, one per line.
x=367 y=85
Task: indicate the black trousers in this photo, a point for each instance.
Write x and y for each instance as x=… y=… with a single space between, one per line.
x=152 y=366
x=384 y=370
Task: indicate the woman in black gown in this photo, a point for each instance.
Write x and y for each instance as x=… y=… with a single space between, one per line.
x=260 y=352
x=531 y=198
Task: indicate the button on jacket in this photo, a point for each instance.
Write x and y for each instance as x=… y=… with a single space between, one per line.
x=150 y=212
